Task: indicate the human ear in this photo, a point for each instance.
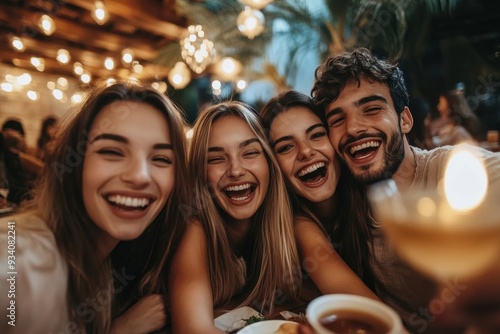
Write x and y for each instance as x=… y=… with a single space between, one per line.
x=406 y=120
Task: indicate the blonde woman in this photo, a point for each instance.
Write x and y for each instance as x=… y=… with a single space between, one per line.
x=239 y=244
x=111 y=178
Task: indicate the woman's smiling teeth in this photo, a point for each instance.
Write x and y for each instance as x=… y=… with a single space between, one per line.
x=240 y=192
x=313 y=173
x=127 y=202
x=368 y=145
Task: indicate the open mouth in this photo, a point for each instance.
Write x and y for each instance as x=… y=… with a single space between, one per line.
x=240 y=192
x=128 y=203
x=364 y=150
x=313 y=173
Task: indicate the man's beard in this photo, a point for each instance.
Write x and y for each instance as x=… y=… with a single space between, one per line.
x=394 y=155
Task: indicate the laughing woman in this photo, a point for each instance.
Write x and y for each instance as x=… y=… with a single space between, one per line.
x=327 y=208
x=111 y=178
x=240 y=244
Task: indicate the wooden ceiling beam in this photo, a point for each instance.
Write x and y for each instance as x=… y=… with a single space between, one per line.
x=141 y=14
x=74 y=32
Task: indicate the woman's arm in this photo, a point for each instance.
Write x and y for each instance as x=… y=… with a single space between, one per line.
x=190 y=292
x=323 y=264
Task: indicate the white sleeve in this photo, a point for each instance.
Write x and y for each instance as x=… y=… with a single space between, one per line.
x=33 y=284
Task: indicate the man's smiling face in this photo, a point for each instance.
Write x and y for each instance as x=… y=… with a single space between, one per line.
x=366 y=131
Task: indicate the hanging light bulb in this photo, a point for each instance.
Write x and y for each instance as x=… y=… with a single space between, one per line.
x=46 y=24
x=17 y=44
x=100 y=14
x=257 y=4
x=39 y=63
x=63 y=56
x=179 y=76
x=250 y=22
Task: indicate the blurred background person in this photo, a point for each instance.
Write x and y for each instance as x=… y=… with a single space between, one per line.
x=21 y=167
x=456 y=122
x=46 y=137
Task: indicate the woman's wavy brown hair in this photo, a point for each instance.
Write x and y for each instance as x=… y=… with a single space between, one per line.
x=59 y=201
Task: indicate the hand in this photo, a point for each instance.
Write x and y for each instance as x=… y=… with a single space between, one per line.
x=145 y=316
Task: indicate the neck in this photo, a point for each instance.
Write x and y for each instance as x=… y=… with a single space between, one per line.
x=324 y=210
x=406 y=171
x=238 y=232
x=105 y=244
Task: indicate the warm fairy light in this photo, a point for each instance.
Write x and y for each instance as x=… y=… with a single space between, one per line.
x=76 y=98
x=227 y=69
x=78 y=68
x=465 y=180
x=17 y=44
x=109 y=63
x=216 y=84
x=51 y=85
x=38 y=63
x=7 y=87
x=179 y=76
x=137 y=67
x=63 y=56
x=58 y=94
x=85 y=77
x=47 y=25
x=241 y=84
x=32 y=95
x=127 y=56
x=100 y=14
x=24 y=79
x=110 y=81
x=197 y=51
x=250 y=22
x=63 y=82
x=160 y=86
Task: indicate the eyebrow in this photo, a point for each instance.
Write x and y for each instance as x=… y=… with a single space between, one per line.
x=121 y=139
x=243 y=144
x=285 y=138
x=358 y=103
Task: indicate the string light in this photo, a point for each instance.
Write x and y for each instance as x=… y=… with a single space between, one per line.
x=63 y=56
x=197 y=51
x=46 y=24
x=100 y=14
x=17 y=44
x=179 y=76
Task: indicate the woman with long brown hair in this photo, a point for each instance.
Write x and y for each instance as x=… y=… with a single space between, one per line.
x=112 y=175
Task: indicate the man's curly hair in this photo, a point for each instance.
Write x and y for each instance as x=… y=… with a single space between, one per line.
x=332 y=76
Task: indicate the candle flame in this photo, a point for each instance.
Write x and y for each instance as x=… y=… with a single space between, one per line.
x=465 y=181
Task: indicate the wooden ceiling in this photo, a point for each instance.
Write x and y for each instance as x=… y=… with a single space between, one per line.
x=144 y=26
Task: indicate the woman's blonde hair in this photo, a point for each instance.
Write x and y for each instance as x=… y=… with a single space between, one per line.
x=273 y=269
x=59 y=201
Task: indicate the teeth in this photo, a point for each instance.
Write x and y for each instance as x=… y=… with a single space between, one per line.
x=238 y=188
x=129 y=201
x=356 y=148
x=240 y=198
x=311 y=168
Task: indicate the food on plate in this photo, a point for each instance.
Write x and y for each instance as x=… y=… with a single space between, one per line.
x=288 y=328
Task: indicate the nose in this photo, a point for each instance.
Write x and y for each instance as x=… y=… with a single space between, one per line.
x=235 y=169
x=355 y=125
x=136 y=172
x=305 y=151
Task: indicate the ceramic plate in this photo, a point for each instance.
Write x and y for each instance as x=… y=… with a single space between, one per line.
x=264 y=327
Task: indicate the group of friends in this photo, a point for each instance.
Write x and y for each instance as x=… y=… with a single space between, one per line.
x=132 y=228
